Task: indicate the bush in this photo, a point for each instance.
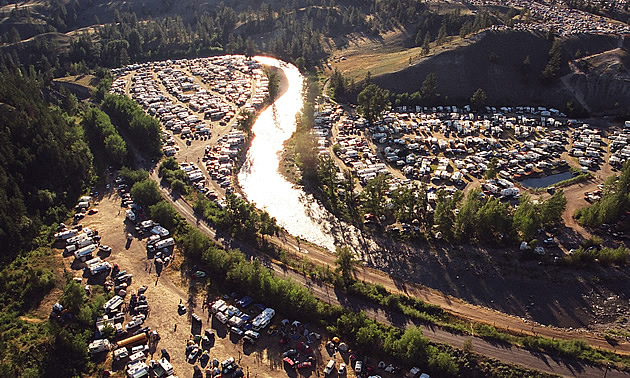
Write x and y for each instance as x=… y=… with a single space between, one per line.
x=610 y=256
x=146 y=193
x=581 y=257
x=179 y=186
x=132 y=176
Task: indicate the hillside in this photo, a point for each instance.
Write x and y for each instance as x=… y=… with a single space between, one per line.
x=494 y=61
x=601 y=80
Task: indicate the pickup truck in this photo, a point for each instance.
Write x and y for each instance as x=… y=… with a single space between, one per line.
x=329 y=367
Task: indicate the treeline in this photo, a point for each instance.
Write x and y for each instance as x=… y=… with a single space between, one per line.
x=142 y=129
x=615 y=201
x=372 y=100
x=295 y=31
x=47 y=160
x=474 y=218
x=44 y=164
x=300 y=151
x=108 y=146
x=236 y=217
x=231 y=270
x=433 y=27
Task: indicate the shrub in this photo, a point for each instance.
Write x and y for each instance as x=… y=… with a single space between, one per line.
x=610 y=256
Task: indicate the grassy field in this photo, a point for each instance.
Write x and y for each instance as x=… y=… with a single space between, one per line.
x=384 y=55
x=82 y=80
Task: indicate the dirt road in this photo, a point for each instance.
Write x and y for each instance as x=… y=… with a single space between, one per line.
x=509 y=354
x=164 y=294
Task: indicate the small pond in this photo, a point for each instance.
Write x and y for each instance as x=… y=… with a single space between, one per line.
x=545 y=181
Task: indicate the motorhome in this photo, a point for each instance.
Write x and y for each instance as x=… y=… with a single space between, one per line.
x=98 y=346
x=82 y=254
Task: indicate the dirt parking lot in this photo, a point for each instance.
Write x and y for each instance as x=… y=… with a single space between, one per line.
x=164 y=293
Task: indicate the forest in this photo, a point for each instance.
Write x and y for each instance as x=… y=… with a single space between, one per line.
x=45 y=163
x=298 y=31
x=53 y=151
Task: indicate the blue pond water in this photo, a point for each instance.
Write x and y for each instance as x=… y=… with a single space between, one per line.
x=545 y=181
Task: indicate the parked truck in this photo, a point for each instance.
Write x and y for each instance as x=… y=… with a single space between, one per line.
x=100 y=268
x=64 y=235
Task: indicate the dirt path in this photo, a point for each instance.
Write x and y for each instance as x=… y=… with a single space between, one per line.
x=164 y=294
x=466 y=310
x=509 y=354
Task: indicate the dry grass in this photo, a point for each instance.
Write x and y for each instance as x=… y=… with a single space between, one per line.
x=82 y=80
x=383 y=56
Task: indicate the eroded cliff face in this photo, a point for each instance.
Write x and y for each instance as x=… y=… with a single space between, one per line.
x=601 y=82
x=494 y=62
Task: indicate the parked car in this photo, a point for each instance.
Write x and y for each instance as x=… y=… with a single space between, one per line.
x=290 y=353
x=329 y=367
x=249 y=340
x=305 y=365
x=304 y=348
x=342 y=369
x=289 y=362
x=358 y=367
x=105 y=249
x=236 y=331
x=193 y=355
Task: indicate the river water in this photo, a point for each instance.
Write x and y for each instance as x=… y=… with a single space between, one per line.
x=260 y=179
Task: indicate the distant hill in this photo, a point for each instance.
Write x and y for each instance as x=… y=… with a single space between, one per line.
x=494 y=61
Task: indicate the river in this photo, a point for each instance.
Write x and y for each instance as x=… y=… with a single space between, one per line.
x=260 y=179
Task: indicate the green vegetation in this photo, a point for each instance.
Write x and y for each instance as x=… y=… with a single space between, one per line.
x=614 y=202
x=485 y=220
x=428 y=95
x=108 y=146
x=300 y=159
x=142 y=129
x=238 y=218
x=529 y=217
x=232 y=271
x=478 y=99
x=474 y=218
x=372 y=101
x=274 y=82
x=552 y=68
x=173 y=176
x=340 y=87
x=585 y=257
x=44 y=165
x=146 y=192
x=140 y=32
x=417 y=309
x=581 y=177
x=450 y=24
x=47 y=163
x=346 y=263
x=132 y=176
x=33 y=347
